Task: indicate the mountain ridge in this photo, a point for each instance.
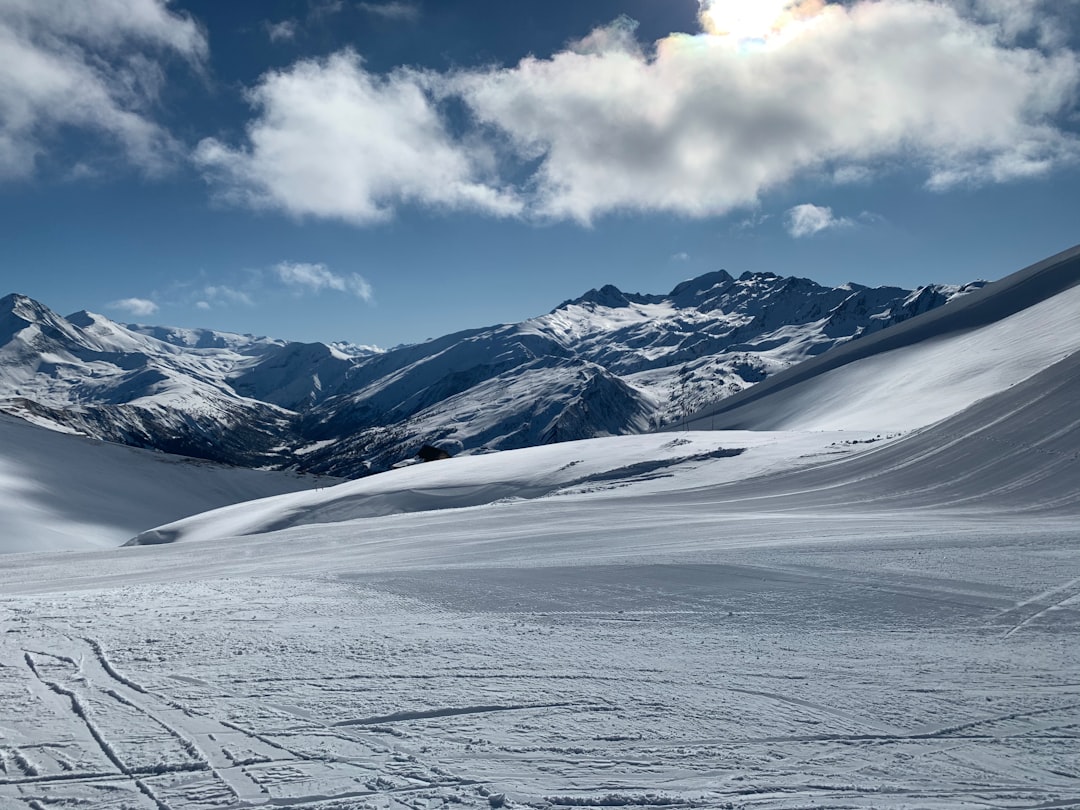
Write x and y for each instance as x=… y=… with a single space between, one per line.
x=605 y=363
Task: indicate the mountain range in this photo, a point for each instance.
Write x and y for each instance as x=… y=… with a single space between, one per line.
x=605 y=363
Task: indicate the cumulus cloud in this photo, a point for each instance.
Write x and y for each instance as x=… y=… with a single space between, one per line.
x=333 y=140
x=808 y=219
x=138 y=307
x=95 y=67
x=696 y=124
x=395 y=10
x=316 y=277
x=706 y=123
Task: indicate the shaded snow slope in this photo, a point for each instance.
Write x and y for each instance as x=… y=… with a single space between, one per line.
x=1016 y=452
x=925 y=369
x=61 y=492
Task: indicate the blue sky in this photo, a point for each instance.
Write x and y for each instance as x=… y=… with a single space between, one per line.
x=383 y=172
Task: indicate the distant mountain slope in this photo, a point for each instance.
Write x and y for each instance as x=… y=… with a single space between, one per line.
x=606 y=363
x=61 y=492
x=928 y=369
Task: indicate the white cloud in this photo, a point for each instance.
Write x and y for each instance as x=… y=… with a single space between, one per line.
x=749 y=223
x=138 y=307
x=324 y=8
x=223 y=295
x=808 y=219
x=696 y=125
x=283 y=31
x=316 y=277
x=395 y=10
x=682 y=256
x=333 y=140
x=706 y=123
x=91 y=66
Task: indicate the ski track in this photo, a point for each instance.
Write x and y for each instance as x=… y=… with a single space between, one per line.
x=410 y=690
x=1040 y=606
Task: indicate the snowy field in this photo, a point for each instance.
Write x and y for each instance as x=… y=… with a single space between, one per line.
x=640 y=635
x=785 y=619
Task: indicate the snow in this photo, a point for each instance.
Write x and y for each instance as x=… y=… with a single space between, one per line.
x=604 y=364
x=732 y=619
x=930 y=380
x=65 y=492
x=638 y=640
x=582 y=470
x=927 y=368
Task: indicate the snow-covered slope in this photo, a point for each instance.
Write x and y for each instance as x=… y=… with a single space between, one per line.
x=926 y=369
x=654 y=462
x=60 y=492
x=718 y=619
x=603 y=364
x=1016 y=451
x=156 y=388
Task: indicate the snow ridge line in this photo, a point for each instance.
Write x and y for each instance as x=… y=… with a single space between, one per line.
x=64 y=658
x=263 y=739
x=72 y=776
x=950 y=730
x=648 y=468
x=28 y=767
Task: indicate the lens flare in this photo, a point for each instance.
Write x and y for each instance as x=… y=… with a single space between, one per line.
x=756 y=21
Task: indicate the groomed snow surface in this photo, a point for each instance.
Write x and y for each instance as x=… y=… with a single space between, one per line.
x=785 y=619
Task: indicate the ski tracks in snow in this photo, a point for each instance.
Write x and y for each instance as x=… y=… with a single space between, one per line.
x=81 y=729
x=1040 y=606
x=172 y=756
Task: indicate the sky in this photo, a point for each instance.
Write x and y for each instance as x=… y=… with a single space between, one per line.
x=386 y=171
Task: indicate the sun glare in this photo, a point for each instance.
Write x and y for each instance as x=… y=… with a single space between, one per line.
x=749 y=21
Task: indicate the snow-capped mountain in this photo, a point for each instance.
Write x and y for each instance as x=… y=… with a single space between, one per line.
x=605 y=363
